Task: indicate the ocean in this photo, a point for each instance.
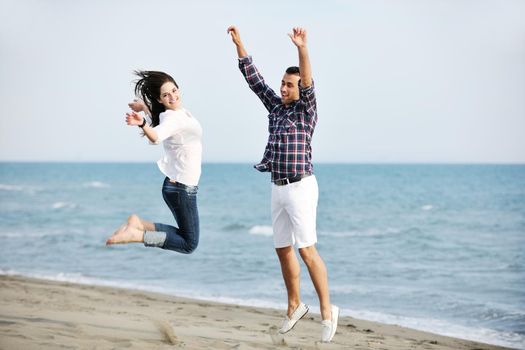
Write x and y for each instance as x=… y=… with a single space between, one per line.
x=438 y=248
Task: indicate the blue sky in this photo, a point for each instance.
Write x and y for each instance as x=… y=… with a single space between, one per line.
x=397 y=81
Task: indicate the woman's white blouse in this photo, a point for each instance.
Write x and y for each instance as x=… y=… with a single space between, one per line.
x=181 y=135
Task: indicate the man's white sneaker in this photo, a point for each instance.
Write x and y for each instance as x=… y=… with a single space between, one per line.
x=289 y=322
x=330 y=326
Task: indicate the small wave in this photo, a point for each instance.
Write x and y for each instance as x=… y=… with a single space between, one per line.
x=63 y=205
x=442 y=327
x=72 y=277
x=371 y=232
x=18 y=188
x=234 y=227
x=261 y=230
x=10 y=234
x=13 y=188
x=83 y=279
x=427 y=207
x=96 y=184
x=347 y=289
x=36 y=233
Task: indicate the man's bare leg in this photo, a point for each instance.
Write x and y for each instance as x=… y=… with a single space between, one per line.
x=291 y=271
x=319 y=277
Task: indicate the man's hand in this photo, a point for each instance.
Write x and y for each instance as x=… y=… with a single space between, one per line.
x=236 y=38
x=298 y=36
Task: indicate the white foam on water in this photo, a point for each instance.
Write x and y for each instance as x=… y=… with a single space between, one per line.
x=442 y=327
x=80 y=278
x=18 y=188
x=29 y=234
x=427 y=207
x=11 y=234
x=63 y=205
x=262 y=230
x=346 y=289
x=5 y=187
x=371 y=232
x=236 y=301
x=196 y=295
x=96 y=184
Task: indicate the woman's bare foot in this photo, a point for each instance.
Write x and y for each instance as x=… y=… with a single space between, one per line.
x=131 y=232
x=134 y=221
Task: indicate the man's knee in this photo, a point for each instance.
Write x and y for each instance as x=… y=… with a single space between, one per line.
x=308 y=254
x=285 y=253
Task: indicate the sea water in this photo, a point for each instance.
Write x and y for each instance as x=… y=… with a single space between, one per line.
x=433 y=247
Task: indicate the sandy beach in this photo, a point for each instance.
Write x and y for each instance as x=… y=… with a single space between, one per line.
x=41 y=314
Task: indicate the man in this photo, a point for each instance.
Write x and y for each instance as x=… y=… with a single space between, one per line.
x=287 y=156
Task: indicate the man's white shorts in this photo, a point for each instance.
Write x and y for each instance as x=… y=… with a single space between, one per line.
x=294 y=213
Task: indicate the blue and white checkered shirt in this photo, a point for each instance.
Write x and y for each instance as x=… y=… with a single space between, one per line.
x=288 y=152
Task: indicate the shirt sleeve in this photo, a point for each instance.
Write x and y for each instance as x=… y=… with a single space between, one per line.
x=307 y=96
x=257 y=84
x=265 y=164
x=168 y=127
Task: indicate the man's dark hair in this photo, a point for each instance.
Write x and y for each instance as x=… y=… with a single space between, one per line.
x=292 y=70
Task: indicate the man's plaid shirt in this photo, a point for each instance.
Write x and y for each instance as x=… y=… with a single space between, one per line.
x=288 y=152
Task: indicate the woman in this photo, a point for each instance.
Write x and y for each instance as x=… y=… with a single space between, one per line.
x=181 y=136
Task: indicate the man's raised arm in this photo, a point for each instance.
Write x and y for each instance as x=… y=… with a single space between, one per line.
x=298 y=37
x=236 y=38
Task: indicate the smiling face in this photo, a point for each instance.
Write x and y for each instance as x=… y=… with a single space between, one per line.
x=170 y=96
x=289 y=88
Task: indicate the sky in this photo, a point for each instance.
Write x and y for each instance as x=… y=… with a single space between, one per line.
x=413 y=81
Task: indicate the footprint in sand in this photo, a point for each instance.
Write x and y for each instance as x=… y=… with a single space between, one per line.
x=326 y=346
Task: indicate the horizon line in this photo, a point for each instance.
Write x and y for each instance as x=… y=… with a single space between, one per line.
x=248 y=162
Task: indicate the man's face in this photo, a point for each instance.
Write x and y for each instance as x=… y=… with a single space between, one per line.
x=289 y=88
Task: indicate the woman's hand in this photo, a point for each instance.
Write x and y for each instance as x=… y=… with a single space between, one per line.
x=137 y=105
x=134 y=119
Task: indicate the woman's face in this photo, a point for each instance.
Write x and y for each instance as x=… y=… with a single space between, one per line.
x=170 y=95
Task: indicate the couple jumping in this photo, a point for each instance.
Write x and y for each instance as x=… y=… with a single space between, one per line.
x=292 y=119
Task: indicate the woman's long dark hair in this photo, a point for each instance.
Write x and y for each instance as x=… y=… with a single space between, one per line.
x=148 y=88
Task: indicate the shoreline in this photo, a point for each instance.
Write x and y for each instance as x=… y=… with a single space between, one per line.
x=44 y=314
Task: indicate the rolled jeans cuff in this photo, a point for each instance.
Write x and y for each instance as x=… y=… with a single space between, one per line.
x=154 y=239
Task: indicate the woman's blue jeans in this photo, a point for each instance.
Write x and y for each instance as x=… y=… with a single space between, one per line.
x=182 y=201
